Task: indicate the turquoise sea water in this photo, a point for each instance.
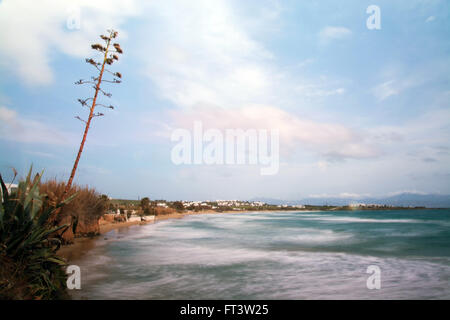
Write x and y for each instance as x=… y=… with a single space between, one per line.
x=276 y=255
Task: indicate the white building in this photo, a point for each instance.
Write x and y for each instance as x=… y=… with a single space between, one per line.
x=162 y=205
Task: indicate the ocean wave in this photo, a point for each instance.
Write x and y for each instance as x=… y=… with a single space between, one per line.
x=363 y=220
x=209 y=272
x=247 y=257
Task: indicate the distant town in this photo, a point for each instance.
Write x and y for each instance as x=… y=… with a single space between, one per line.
x=145 y=206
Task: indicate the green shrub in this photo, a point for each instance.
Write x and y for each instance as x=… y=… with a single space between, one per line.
x=178 y=205
x=30 y=268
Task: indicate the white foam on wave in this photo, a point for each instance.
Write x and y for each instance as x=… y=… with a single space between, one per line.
x=343 y=276
x=314 y=236
x=363 y=220
x=201 y=255
x=312 y=215
x=184 y=272
x=171 y=260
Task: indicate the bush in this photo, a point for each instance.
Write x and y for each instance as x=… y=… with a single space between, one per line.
x=82 y=213
x=30 y=268
x=178 y=205
x=145 y=203
x=163 y=211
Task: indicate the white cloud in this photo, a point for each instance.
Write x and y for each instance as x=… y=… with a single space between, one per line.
x=206 y=63
x=332 y=141
x=385 y=90
x=395 y=79
x=312 y=90
x=201 y=54
x=305 y=62
x=204 y=55
x=424 y=137
x=41 y=154
x=31 y=31
x=333 y=33
x=16 y=128
x=396 y=86
x=430 y=19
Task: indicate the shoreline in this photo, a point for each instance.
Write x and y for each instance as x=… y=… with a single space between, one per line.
x=82 y=245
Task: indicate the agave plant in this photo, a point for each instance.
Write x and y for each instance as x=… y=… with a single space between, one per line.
x=28 y=243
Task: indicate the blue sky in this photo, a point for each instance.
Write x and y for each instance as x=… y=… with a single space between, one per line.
x=360 y=112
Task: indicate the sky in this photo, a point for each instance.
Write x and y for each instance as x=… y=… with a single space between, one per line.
x=360 y=112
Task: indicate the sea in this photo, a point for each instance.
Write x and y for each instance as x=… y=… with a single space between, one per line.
x=383 y=254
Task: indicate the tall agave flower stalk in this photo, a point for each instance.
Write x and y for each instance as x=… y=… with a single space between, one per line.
x=110 y=53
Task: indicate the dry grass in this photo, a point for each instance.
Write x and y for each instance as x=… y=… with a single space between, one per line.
x=163 y=211
x=83 y=212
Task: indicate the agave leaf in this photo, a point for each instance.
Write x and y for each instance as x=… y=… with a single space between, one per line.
x=44 y=216
x=15 y=244
x=56 y=243
x=41 y=234
x=58 y=261
x=28 y=238
x=56 y=229
x=5 y=195
x=21 y=194
x=36 y=207
x=34 y=238
x=28 y=178
x=33 y=192
x=2 y=210
x=67 y=200
x=2 y=213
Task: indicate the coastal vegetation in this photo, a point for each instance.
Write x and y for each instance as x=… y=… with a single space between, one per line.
x=37 y=217
x=29 y=240
x=82 y=214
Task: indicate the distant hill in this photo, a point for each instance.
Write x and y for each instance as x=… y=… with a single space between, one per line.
x=403 y=199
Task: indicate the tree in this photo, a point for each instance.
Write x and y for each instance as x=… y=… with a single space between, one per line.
x=106 y=203
x=178 y=205
x=109 y=56
x=145 y=203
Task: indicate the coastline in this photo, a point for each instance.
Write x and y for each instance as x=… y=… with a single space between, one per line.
x=80 y=246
